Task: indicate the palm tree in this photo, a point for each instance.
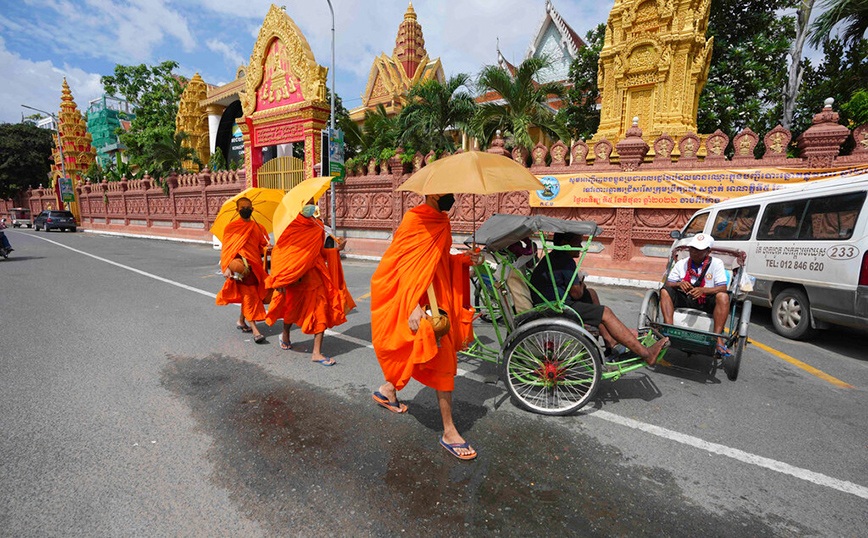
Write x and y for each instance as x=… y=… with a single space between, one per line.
x=378 y=132
x=523 y=103
x=433 y=108
x=854 y=15
x=170 y=153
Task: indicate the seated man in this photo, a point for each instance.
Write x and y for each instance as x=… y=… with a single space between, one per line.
x=584 y=301
x=699 y=282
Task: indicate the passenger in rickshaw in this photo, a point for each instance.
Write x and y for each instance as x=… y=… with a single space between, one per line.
x=698 y=281
x=585 y=301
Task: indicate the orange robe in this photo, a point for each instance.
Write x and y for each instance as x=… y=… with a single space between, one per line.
x=316 y=295
x=247 y=239
x=418 y=256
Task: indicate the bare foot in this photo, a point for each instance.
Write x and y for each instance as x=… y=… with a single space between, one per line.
x=322 y=359
x=456 y=439
x=388 y=390
x=655 y=350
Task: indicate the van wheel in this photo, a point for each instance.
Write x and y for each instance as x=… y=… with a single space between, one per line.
x=791 y=314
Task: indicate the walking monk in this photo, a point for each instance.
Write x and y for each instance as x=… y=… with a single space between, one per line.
x=308 y=281
x=403 y=338
x=245 y=239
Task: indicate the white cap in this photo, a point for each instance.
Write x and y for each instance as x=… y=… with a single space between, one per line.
x=701 y=242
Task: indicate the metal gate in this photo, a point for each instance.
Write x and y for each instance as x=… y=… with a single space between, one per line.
x=280 y=173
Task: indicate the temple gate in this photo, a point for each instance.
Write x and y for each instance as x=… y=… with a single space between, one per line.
x=284 y=100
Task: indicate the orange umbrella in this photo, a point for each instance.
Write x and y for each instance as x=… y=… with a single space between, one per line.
x=294 y=200
x=472 y=172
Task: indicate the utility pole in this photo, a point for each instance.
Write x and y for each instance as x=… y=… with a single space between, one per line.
x=325 y=166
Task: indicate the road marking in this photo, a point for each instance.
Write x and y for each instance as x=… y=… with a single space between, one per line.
x=365 y=296
x=806 y=367
x=133 y=269
x=734 y=453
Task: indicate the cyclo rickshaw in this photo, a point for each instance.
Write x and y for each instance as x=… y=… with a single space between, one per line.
x=550 y=361
x=692 y=330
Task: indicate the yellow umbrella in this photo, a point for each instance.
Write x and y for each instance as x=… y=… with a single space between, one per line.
x=264 y=201
x=472 y=172
x=291 y=204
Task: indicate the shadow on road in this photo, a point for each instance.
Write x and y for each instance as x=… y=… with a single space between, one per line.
x=845 y=341
x=302 y=460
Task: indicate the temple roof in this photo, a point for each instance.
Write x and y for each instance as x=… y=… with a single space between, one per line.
x=392 y=76
x=569 y=38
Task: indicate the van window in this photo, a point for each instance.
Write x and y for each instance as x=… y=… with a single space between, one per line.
x=826 y=217
x=833 y=217
x=735 y=224
x=696 y=225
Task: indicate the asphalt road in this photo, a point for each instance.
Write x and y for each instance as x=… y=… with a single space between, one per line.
x=132 y=407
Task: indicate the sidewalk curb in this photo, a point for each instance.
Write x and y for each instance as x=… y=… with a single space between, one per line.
x=143 y=236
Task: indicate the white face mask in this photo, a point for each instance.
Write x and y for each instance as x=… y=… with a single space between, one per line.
x=308 y=210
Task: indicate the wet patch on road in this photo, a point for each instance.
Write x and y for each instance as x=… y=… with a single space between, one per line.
x=301 y=460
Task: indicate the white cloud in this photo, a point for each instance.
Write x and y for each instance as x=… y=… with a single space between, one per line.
x=39 y=85
x=232 y=57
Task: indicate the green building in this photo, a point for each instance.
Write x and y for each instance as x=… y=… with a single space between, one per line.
x=105 y=116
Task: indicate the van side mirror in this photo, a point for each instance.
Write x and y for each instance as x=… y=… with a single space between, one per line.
x=675 y=234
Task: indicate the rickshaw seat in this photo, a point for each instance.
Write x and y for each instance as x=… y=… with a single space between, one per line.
x=692 y=318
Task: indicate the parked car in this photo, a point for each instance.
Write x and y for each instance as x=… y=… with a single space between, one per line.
x=54 y=220
x=807 y=246
x=21 y=217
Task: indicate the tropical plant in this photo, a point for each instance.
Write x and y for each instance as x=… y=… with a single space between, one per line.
x=169 y=153
x=523 y=107
x=856 y=109
x=581 y=115
x=433 y=109
x=217 y=161
x=120 y=170
x=853 y=14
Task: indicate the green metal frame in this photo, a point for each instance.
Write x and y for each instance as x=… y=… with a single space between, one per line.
x=493 y=295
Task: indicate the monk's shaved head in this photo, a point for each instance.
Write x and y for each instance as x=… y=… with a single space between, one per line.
x=241 y=202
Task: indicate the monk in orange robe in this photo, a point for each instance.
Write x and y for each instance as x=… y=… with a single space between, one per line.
x=403 y=338
x=245 y=238
x=309 y=285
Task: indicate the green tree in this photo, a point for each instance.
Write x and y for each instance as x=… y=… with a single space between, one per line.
x=432 y=109
x=378 y=132
x=524 y=104
x=581 y=115
x=748 y=66
x=154 y=92
x=25 y=157
x=853 y=14
x=169 y=153
x=840 y=75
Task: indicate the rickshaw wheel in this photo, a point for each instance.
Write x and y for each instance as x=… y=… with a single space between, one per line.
x=732 y=364
x=550 y=367
x=650 y=311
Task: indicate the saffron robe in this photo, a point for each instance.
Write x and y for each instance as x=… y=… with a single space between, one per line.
x=316 y=296
x=247 y=239
x=419 y=255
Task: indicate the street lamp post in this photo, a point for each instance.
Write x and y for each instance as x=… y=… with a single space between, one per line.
x=332 y=123
x=59 y=146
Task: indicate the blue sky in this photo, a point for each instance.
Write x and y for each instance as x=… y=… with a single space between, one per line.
x=41 y=41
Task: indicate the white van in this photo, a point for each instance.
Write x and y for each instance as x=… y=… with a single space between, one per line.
x=807 y=246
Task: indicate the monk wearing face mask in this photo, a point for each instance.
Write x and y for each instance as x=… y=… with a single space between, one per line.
x=308 y=280
x=246 y=240
x=403 y=337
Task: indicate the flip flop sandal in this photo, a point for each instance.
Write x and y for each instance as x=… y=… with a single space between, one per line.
x=243 y=329
x=452 y=450
x=723 y=351
x=285 y=346
x=259 y=339
x=327 y=362
x=396 y=407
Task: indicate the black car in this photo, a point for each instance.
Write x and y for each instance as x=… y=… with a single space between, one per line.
x=54 y=220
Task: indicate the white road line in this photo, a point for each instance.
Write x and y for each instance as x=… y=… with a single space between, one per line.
x=689 y=440
x=736 y=454
x=133 y=269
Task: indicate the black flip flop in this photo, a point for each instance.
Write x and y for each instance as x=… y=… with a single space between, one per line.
x=259 y=339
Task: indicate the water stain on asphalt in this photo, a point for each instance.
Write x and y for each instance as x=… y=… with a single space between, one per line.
x=302 y=460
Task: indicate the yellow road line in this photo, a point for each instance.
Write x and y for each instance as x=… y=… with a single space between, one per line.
x=365 y=296
x=208 y=276
x=806 y=367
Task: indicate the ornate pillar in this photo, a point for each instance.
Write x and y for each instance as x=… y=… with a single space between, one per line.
x=622 y=245
x=821 y=143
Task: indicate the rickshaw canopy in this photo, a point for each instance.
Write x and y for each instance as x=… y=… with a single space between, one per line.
x=502 y=230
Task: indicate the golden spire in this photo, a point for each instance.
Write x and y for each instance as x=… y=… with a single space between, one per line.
x=409 y=45
x=411 y=14
x=66 y=93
